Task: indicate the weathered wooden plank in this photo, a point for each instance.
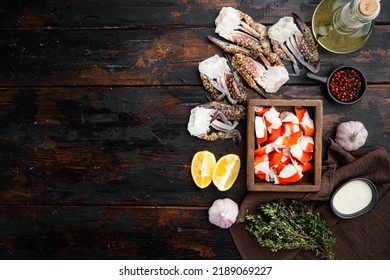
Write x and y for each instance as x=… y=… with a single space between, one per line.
x=142 y=57
x=123 y=13
x=131 y=145
x=100 y=232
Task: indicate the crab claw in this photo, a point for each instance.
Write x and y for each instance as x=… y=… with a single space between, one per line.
x=307 y=45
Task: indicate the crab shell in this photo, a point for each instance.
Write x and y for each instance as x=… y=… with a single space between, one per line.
x=293 y=40
x=219 y=80
x=205 y=116
x=240 y=28
x=254 y=73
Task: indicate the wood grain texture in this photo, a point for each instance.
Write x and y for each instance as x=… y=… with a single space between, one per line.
x=95 y=98
x=138 y=13
x=143 y=57
x=131 y=145
x=100 y=232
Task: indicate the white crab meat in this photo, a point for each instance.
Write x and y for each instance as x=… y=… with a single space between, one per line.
x=230 y=21
x=269 y=79
x=214 y=67
x=274 y=78
x=227 y=21
x=283 y=30
x=199 y=122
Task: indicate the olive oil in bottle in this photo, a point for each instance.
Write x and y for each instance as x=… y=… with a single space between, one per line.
x=343 y=26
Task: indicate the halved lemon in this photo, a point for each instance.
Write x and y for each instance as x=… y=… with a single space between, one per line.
x=226 y=171
x=202 y=166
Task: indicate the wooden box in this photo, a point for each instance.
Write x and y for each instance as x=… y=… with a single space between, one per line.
x=311 y=180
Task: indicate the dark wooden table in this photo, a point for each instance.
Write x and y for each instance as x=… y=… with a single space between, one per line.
x=95 y=98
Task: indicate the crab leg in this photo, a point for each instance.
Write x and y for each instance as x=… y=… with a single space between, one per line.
x=224 y=127
x=291 y=57
x=293 y=46
x=249 y=71
x=221 y=135
x=234 y=82
x=228 y=47
x=307 y=45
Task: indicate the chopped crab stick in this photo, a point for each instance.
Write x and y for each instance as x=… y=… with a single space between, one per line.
x=264 y=150
x=260 y=110
x=307 y=143
x=305 y=121
x=261 y=158
x=300 y=166
x=280 y=167
x=288 y=128
x=274 y=134
x=288 y=117
x=292 y=139
x=302 y=156
x=300 y=112
x=275 y=158
x=305 y=167
x=272 y=119
x=260 y=130
x=262 y=170
x=289 y=174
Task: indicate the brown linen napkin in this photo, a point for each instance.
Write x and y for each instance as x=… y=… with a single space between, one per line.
x=365 y=237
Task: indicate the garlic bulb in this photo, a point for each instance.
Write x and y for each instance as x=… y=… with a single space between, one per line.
x=223 y=212
x=351 y=135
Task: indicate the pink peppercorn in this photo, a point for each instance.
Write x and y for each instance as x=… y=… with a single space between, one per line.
x=345 y=85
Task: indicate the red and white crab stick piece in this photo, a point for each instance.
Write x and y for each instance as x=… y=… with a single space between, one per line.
x=272 y=119
x=301 y=167
x=289 y=174
x=288 y=117
x=292 y=139
x=260 y=110
x=275 y=158
x=260 y=130
x=299 y=154
x=262 y=170
x=288 y=128
x=305 y=121
x=265 y=150
x=307 y=143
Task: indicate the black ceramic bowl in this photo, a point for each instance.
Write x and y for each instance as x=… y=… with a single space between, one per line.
x=329 y=80
x=353 y=197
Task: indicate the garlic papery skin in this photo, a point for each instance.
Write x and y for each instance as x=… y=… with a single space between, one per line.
x=351 y=135
x=223 y=213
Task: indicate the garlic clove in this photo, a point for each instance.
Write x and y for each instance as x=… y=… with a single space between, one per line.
x=223 y=213
x=351 y=135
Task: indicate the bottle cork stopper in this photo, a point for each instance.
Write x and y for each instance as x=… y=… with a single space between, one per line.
x=368 y=7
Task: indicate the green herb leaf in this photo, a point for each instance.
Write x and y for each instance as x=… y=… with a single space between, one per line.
x=280 y=225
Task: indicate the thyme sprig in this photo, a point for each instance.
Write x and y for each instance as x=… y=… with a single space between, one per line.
x=281 y=225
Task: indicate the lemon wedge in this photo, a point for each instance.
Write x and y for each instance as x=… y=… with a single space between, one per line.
x=226 y=171
x=202 y=166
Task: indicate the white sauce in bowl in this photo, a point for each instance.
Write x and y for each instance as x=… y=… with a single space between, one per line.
x=353 y=197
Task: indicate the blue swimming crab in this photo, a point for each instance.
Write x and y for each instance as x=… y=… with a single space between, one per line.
x=220 y=116
x=247 y=41
x=254 y=73
x=293 y=40
x=221 y=80
x=249 y=37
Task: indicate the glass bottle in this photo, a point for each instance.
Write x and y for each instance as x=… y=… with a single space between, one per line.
x=343 y=26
